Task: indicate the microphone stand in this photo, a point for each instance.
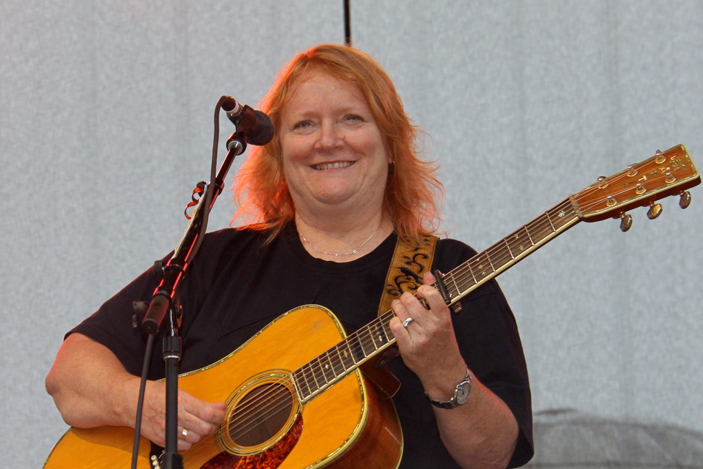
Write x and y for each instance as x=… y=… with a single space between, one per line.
x=165 y=300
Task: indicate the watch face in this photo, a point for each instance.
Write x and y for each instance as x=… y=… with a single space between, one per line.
x=462 y=392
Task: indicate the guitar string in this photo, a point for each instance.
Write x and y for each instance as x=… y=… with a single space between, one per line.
x=252 y=408
x=245 y=423
x=465 y=272
x=366 y=341
x=537 y=228
x=500 y=257
x=310 y=375
x=198 y=449
x=307 y=371
x=276 y=400
x=541 y=223
x=613 y=181
x=473 y=271
x=541 y=228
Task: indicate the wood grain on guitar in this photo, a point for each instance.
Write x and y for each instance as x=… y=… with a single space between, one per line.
x=311 y=406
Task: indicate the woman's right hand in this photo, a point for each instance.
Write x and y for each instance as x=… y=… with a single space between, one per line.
x=91 y=388
x=197 y=417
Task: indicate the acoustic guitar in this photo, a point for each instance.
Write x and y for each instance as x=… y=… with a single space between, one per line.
x=312 y=406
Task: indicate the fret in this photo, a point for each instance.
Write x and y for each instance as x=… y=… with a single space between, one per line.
x=385 y=322
x=338 y=363
x=490 y=261
x=480 y=267
x=317 y=373
x=519 y=242
x=528 y=235
x=500 y=256
x=346 y=356
x=309 y=379
x=539 y=230
x=468 y=263
x=456 y=287
x=564 y=214
x=378 y=334
x=327 y=368
x=364 y=343
x=510 y=251
x=356 y=349
x=302 y=384
x=550 y=221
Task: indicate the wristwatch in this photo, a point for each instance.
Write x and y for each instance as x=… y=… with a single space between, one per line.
x=461 y=394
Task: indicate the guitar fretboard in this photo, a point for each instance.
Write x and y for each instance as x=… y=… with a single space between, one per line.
x=336 y=363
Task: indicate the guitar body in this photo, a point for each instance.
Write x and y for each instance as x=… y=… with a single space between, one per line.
x=350 y=424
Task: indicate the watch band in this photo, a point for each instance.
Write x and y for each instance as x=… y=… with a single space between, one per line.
x=461 y=394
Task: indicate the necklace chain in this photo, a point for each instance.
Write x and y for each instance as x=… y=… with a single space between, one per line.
x=339 y=254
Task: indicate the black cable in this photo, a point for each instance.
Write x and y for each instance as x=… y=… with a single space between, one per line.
x=205 y=206
x=140 y=401
x=210 y=188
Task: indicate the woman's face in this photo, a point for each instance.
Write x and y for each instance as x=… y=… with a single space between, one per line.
x=333 y=152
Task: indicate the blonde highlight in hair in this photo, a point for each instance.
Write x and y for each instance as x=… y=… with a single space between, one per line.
x=412 y=191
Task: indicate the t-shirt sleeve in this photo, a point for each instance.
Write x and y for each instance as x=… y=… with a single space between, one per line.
x=112 y=324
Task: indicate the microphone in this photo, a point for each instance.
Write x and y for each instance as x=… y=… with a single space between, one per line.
x=254 y=125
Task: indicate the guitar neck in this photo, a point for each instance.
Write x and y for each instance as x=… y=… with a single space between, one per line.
x=336 y=363
x=510 y=250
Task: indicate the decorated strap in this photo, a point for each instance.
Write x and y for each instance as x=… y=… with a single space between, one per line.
x=410 y=261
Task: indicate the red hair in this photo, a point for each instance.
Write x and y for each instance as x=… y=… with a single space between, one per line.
x=412 y=191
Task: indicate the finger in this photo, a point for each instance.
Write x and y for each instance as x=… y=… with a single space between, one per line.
x=433 y=299
x=183 y=435
x=199 y=417
x=186 y=434
x=415 y=308
x=396 y=324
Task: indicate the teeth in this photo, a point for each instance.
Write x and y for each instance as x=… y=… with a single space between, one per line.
x=333 y=165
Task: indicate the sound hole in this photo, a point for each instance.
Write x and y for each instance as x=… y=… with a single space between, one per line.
x=260 y=414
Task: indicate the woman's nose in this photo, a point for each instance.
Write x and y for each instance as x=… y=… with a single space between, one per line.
x=330 y=137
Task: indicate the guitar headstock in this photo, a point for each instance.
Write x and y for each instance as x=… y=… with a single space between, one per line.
x=666 y=173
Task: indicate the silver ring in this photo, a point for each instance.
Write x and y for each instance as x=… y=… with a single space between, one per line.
x=407 y=322
x=184 y=433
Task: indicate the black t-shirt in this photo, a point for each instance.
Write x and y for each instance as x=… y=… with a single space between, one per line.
x=237 y=285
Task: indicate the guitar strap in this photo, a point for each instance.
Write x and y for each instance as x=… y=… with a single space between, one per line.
x=410 y=261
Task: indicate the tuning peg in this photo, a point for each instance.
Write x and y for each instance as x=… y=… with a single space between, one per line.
x=685 y=199
x=625 y=222
x=654 y=211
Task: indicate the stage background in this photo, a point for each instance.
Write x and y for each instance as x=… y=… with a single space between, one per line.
x=106 y=125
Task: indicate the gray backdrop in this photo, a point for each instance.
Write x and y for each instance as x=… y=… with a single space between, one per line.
x=106 y=125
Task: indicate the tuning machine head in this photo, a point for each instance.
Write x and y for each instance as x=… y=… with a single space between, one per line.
x=654 y=211
x=685 y=199
x=625 y=222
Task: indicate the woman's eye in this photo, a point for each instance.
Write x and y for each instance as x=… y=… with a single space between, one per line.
x=354 y=118
x=302 y=125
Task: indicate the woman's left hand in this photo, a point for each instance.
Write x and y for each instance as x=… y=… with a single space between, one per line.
x=427 y=343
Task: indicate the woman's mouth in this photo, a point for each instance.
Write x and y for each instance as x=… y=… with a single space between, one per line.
x=339 y=164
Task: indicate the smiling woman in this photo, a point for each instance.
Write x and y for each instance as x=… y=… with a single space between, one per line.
x=336 y=165
x=342 y=200
x=410 y=202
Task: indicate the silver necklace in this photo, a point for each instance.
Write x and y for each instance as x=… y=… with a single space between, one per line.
x=339 y=254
